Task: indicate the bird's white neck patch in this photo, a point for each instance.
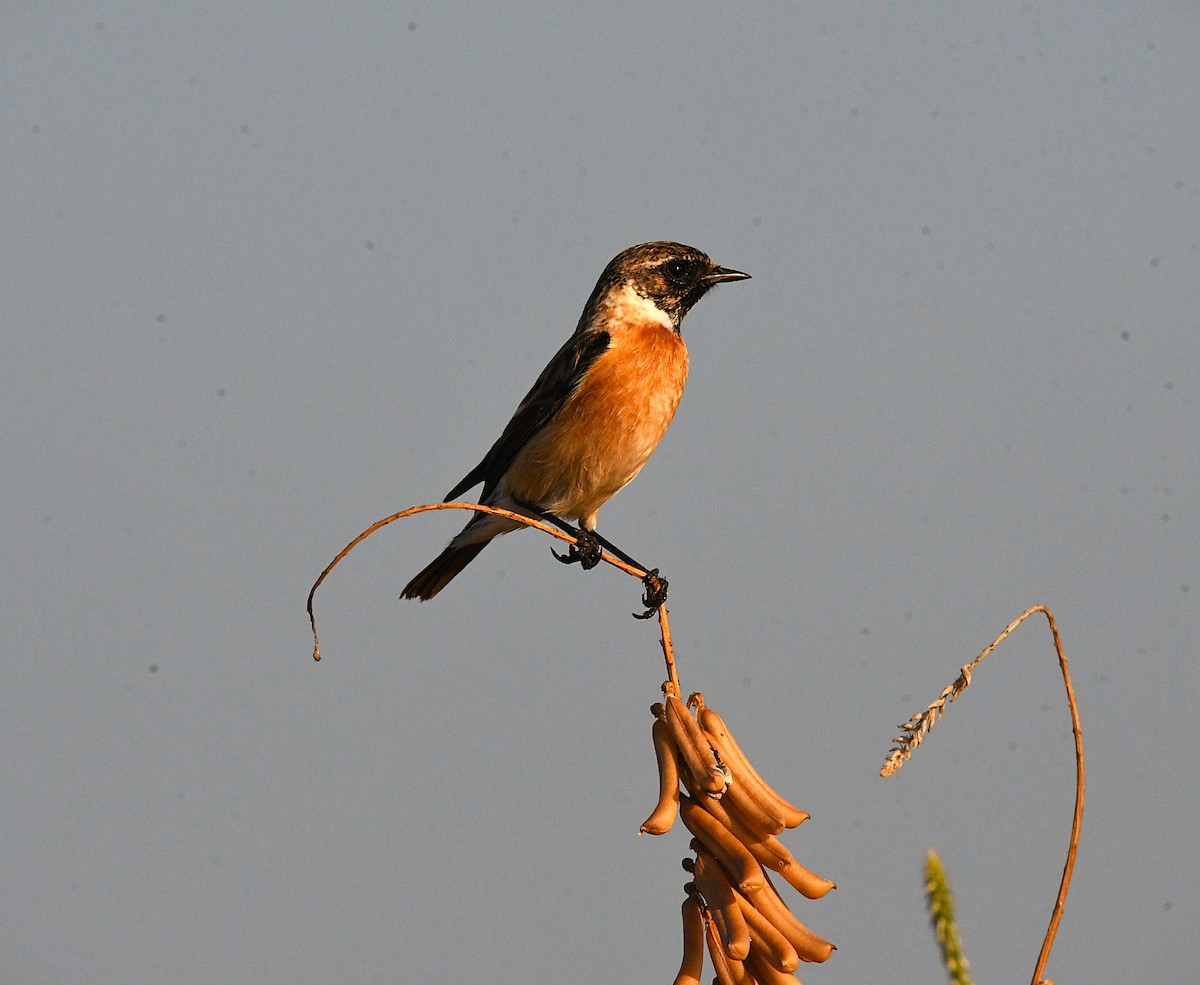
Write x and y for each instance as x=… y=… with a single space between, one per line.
x=628 y=305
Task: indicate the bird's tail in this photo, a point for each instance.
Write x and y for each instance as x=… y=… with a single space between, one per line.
x=441 y=570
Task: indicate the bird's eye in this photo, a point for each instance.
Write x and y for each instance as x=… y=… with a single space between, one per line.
x=676 y=270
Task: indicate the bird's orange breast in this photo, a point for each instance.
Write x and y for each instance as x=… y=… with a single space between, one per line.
x=605 y=432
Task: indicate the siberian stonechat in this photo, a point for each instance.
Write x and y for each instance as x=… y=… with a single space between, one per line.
x=596 y=413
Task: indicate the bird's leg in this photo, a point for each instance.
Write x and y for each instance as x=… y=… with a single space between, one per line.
x=656 y=593
x=617 y=552
x=586 y=552
x=655 y=584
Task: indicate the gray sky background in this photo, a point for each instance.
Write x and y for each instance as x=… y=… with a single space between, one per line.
x=272 y=271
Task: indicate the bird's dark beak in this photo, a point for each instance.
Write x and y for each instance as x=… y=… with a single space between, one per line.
x=720 y=275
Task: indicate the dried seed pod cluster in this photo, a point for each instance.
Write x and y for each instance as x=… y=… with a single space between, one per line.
x=732 y=909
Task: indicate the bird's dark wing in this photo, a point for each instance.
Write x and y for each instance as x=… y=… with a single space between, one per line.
x=553 y=387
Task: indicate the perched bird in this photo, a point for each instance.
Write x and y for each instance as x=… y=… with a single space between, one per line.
x=595 y=414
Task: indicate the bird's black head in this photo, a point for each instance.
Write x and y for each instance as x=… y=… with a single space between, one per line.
x=670 y=275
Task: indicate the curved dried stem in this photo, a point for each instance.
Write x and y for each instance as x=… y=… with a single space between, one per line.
x=476 y=507
x=916 y=728
x=1077 y=821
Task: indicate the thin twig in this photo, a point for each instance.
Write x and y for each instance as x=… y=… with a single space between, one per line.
x=667 y=647
x=916 y=728
x=497 y=511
